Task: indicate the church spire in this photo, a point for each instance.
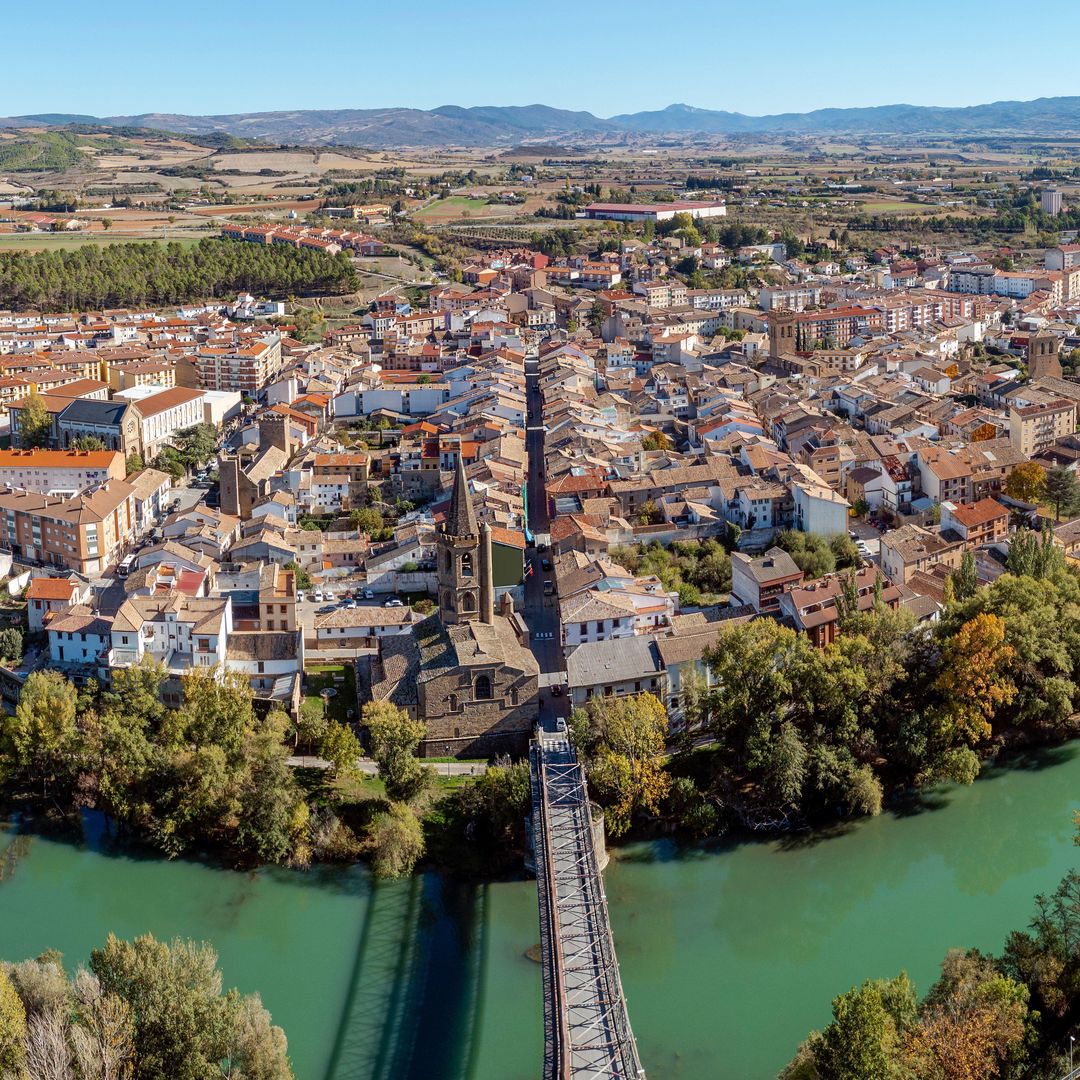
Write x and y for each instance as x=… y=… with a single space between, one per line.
x=460 y=519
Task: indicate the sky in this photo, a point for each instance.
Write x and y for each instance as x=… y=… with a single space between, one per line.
x=782 y=56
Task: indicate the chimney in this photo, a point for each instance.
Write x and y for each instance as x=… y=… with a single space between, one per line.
x=487 y=583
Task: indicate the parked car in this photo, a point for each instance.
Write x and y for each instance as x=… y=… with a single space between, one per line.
x=560 y=724
x=556 y=689
x=545 y=564
x=299 y=596
x=329 y=595
x=318 y=597
x=368 y=594
x=393 y=602
x=327 y=610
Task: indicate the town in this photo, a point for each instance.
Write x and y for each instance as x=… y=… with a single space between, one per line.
x=466 y=513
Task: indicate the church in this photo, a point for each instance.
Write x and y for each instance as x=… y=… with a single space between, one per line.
x=466 y=670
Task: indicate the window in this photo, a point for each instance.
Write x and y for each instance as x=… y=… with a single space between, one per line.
x=453 y=702
x=468 y=602
x=466 y=565
x=482 y=691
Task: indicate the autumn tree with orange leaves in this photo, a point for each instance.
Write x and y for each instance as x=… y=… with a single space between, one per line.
x=974 y=679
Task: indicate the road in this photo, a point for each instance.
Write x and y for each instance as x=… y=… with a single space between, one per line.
x=541 y=612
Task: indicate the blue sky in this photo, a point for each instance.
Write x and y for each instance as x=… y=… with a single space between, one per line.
x=787 y=55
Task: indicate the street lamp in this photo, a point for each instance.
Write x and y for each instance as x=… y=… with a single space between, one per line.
x=1072 y=1041
x=446 y=750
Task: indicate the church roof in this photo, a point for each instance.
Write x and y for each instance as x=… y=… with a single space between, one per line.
x=460 y=518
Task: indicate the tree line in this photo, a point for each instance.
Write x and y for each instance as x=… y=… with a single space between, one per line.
x=1007 y=1016
x=137 y=274
x=798 y=735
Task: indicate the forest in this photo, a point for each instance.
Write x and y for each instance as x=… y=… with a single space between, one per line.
x=147 y=274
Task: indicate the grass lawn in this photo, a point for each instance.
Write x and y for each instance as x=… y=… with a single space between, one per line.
x=894 y=206
x=342 y=678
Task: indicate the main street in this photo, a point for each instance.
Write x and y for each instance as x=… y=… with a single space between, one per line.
x=541 y=612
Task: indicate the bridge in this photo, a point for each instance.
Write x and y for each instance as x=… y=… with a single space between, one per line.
x=587 y=1032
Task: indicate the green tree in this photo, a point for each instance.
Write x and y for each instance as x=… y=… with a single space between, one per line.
x=11 y=644
x=811 y=553
x=303 y=578
x=40 y=733
x=87 y=442
x=1062 y=492
x=195 y=444
x=134 y=463
x=367 y=520
x=340 y=746
x=395 y=737
x=185 y=1027
x=965 y=578
x=863 y=1040
x=623 y=742
x=35 y=423
x=395 y=841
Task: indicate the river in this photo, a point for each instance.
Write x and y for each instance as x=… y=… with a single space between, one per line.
x=728 y=955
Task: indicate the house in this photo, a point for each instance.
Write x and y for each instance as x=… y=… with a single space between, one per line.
x=362 y=627
x=760 y=582
x=818 y=509
x=49 y=596
x=910 y=549
x=812 y=608
x=616 y=667
x=983 y=522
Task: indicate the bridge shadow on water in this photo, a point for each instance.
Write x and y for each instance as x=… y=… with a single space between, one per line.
x=412 y=1011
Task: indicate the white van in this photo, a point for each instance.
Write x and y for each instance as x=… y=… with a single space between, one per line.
x=126 y=566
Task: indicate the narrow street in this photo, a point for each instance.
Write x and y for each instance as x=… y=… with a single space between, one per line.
x=541 y=612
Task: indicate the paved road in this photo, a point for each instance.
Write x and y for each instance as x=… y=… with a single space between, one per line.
x=541 y=612
x=369 y=768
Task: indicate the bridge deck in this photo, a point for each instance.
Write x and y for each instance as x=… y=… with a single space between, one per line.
x=587 y=1030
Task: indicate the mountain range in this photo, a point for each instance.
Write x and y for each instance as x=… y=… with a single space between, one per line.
x=491 y=125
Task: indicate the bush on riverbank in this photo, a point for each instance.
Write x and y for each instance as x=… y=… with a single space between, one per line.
x=144 y=1010
x=1009 y=1016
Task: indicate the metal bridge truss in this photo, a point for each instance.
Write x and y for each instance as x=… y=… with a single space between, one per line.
x=586 y=1026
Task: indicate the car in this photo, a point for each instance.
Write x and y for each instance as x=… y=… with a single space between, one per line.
x=327 y=610
x=299 y=596
x=556 y=689
x=393 y=602
x=351 y=604
x=560 y=724
x=318 y=596
x=368 y=594
x=541 y=547
x=545 y=564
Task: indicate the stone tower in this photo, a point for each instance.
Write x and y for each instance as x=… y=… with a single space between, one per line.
x=464 y=572
x=1043 y=348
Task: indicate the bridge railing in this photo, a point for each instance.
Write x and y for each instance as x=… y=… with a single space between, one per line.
x=557 y=1042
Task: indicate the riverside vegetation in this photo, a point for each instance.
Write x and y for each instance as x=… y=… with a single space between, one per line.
x=791 y=735
x=213 y=776
x=142 y=1010
x=1009 y=1016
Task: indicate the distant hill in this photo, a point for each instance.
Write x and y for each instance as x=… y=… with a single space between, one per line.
x=491 y=125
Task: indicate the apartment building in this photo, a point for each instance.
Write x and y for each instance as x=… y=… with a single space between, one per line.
x=85 y=533
x=59 y=472
x=244 y=369
x=1034 y=428
x=982 y=522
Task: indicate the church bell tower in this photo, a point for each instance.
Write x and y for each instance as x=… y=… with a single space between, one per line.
x=462 y=572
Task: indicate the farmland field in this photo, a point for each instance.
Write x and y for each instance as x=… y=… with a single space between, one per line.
x=458 y=206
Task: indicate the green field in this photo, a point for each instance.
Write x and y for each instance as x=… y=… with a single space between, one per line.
x=70 y=241
x=453 y=208
x=894 y=206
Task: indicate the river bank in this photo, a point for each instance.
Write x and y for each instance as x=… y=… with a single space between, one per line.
x=729 y=953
